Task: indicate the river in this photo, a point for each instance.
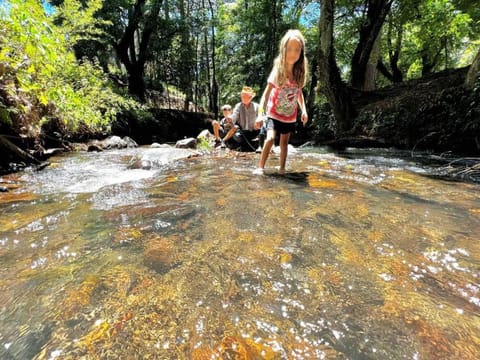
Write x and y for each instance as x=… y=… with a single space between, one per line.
x=359 y=255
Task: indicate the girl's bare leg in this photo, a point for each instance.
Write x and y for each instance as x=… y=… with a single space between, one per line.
x=267 y=146
x=284 y=138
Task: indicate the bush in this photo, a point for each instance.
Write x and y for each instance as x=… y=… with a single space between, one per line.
x=43 y=71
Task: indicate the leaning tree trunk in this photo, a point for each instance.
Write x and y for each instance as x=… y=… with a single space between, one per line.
x=395 y=75
x=473 y=72
x=133 y=46
x=377 y=11
x=333 y=87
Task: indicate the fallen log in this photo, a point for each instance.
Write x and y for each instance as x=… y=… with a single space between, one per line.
x=12 y=153
x=14 y=158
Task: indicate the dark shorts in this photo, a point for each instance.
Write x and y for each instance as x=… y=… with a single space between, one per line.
x=244 y=140
x=224 y=129
x=250 y=134
x=280 y=127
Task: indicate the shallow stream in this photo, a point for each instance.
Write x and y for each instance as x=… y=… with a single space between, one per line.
x=354 y=256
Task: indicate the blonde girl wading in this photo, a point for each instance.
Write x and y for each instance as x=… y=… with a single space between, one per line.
x=283 y=96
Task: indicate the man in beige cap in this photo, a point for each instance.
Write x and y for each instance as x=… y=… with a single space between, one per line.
x=244 y=117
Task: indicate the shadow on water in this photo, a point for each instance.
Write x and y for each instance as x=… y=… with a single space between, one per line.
x=362 y=256
x=295 y=177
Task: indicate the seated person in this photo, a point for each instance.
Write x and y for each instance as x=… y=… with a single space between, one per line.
x=222 y=128
x=244 y=117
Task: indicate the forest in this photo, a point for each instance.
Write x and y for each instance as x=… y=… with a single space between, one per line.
x=401 y=73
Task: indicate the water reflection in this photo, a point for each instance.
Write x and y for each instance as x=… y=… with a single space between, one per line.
x=345 y=257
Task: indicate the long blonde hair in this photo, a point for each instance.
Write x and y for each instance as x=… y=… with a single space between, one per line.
x=300 y=68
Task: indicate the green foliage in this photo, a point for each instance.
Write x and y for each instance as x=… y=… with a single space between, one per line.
x=40 y=49
x=83 y=95
x=79 y=22
x=45 y=70
x=5 y=115
x=432 y=34
x=248 y=36
x=203 y=144
x=437 y=32
x=347 y=23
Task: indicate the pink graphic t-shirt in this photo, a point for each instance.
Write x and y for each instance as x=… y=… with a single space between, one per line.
x=282 y=102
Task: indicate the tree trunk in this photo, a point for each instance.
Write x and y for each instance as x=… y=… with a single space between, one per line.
x=395 y=75
x=384 y=70
x=186 y=54
x=136 y=83
x=310 y=100
x=394 y=55
x=214 y=93
x=371 y=69
x=328 y=73
x=208 y=61
x=428 y=61
x=132 y=47
x=377 y=11
x=473 y=72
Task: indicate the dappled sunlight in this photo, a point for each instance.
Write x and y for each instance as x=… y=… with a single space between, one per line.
x=339 y=258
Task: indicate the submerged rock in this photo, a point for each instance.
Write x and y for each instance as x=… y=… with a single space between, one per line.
x=160 y=254
x=189 y=143
x=116 y=142
x=155 y=158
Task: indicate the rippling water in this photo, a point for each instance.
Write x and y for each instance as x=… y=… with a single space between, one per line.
x=345 y=257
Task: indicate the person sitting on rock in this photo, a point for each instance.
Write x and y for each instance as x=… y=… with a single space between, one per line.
x=244 y=117
x=221 y=129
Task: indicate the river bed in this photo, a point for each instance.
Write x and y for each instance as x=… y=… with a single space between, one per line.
x=347 y=256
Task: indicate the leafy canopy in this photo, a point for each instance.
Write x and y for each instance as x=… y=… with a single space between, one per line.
x=41 y=64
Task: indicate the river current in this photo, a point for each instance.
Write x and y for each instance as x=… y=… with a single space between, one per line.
x=359 y=255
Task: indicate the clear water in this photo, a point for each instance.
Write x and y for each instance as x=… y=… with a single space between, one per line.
x=359 y=256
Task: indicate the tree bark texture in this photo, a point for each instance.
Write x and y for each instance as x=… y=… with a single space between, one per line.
x=328 y=73
x=371 y=70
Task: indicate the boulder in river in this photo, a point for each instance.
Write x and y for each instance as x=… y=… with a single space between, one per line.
x=155 y=158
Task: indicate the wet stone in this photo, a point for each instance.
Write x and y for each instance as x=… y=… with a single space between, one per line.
x=160 y=254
